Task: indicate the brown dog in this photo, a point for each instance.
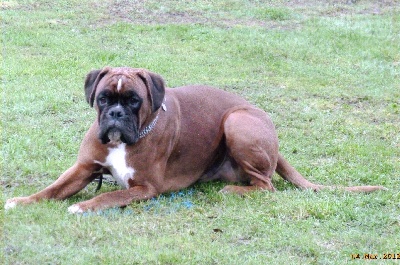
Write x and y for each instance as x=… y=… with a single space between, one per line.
x=153 y=140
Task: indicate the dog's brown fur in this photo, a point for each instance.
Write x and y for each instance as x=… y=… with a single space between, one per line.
x=202 y=134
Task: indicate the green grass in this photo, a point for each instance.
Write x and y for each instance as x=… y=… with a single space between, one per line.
x=327 y=71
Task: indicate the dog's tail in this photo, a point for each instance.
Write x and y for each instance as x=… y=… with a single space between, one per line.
x=289 y=173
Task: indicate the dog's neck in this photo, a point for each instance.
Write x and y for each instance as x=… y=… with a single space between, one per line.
x=146 y=130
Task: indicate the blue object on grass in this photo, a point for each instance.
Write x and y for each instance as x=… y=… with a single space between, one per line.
x=174 y=198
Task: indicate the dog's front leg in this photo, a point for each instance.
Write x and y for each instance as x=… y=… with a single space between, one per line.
x=117 y=198
x=69 y=183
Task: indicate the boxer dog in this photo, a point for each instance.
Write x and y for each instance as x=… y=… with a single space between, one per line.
x=154 y=140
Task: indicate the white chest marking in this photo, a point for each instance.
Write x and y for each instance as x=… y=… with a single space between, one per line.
x=116 y=163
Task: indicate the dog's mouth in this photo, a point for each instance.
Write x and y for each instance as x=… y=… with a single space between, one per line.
x=116 y=134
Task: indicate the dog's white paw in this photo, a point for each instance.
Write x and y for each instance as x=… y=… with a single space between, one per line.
x=75 y=209
x=10 y=204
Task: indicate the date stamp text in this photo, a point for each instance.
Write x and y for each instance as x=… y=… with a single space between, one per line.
x=375 y=256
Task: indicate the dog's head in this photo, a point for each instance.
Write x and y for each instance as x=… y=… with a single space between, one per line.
x=125 y=98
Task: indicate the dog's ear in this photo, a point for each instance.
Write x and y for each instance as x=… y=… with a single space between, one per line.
x=92 y=80
x=155 y=87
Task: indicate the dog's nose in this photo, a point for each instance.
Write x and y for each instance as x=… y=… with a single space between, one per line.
x=116 y=112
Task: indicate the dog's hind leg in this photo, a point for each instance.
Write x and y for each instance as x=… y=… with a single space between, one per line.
x=253 y=144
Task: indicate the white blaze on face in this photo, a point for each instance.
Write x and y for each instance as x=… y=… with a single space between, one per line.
x=119 y=86
x=116 y=163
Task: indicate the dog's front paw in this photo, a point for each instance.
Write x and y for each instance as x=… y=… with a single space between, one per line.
x=75 y=209
x=12 y=203
x=82 y=207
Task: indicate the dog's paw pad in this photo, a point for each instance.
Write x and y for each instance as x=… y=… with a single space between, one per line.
x=75 y=209
x=10 y=204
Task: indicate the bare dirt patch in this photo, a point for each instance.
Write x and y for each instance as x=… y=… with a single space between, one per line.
x=283 y=15
x=138 y=12
x=147 y=12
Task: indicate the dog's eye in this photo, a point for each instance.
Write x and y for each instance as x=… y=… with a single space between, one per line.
x=102 y=100
x=133 y=101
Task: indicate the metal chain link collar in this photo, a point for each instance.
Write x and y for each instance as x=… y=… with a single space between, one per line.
x=151 y=126
x=148 y=128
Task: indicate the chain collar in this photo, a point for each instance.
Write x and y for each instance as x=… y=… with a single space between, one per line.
x=148 y=128
x=151 y=126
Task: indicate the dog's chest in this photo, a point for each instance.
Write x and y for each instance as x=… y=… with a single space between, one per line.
x=116 y=163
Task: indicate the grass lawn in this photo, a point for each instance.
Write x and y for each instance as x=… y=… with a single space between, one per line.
x=328 y=72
